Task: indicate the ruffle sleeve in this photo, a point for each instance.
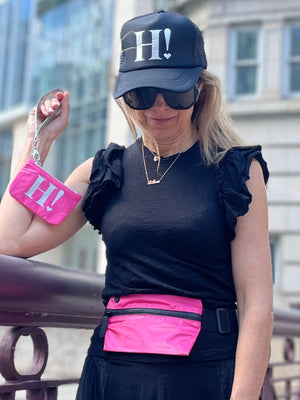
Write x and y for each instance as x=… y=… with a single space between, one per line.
x=105 y=180
x=232 y=175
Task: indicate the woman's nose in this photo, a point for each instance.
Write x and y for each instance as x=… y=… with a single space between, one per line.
x=160 y=101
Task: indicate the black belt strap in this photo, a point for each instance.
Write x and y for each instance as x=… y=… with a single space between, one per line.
x=220 y=320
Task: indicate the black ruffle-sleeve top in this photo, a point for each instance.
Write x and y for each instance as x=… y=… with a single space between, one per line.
x=173 y=237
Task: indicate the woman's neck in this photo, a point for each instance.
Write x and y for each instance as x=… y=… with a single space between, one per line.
x=169 y=147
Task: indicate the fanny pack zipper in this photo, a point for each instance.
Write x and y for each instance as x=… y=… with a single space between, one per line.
x=152 y=311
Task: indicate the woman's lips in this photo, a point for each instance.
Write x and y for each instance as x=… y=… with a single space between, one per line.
x=158 y=120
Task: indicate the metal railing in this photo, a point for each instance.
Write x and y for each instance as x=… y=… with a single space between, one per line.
x=34 y=295
x=283 y=377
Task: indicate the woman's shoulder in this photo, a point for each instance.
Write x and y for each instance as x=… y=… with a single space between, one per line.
x=235 y=164
x=233 y=171
x=81 y=173
x=112 y=151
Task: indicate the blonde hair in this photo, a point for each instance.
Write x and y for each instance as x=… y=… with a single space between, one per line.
x=210 y=121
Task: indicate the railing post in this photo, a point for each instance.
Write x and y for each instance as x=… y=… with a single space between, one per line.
x=7 y=353
x=268 y=390
x=36 y=394
x=7 y=396
x=40 y=357
x=52 y=393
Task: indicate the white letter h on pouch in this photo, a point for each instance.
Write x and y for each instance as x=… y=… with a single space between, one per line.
x=36 y=186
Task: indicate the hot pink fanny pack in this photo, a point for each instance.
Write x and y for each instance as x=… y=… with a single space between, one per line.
x=41 y=193
x=151 y=323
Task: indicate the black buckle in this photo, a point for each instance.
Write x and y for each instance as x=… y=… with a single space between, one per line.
x=223 y=320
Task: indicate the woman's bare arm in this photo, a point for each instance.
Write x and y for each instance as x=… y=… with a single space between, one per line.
x=22 y=233
x=253 y=282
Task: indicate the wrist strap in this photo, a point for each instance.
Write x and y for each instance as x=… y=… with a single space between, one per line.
x=35 y=153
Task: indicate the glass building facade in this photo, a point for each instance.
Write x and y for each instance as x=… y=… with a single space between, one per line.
x=14 y=28
x=72 y=51
x=15 y=18
x=5 y=158
x=47 y=44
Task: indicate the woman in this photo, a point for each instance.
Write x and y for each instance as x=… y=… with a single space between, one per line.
x=183 y=213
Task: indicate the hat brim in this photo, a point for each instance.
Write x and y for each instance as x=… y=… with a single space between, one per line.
x=175 y=79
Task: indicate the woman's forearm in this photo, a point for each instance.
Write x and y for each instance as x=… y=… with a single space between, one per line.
x=252 y=356
x=16 y=219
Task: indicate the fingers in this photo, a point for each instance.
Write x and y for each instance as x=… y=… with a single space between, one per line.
x=49 y=106
x=58 y=107
x=60 y=95
x=64 y=98
x=53 y=111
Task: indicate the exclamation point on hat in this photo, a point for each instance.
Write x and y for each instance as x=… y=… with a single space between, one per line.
x=167 y=33
x=57 y=197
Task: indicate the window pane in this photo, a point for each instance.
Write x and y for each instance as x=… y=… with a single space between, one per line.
x=246 y=45
x=295 y=41
x=274 y=247
x=5 y=160
x=14 y=28
x=295 y=78
x=246 y=80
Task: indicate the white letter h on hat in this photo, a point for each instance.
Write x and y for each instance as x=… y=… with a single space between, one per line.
x=154 y=44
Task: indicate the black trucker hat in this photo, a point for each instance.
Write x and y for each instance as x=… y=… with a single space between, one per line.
x=163 y=50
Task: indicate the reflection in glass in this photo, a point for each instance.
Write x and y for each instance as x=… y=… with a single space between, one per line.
x=14 y=32
x=5 y=159
x=72 y=51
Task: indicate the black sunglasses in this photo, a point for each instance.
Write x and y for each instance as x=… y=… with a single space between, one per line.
x=144 y=98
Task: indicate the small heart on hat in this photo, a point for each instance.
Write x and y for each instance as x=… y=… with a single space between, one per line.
x=167 y=55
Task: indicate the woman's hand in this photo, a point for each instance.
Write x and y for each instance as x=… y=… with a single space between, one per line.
x=45 y=109
x=51 y=131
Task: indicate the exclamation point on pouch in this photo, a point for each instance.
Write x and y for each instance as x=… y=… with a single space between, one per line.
x=167 y=33
x=57 y=197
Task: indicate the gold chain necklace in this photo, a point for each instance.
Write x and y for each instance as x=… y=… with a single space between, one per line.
x=155 y=181
x=156 y=157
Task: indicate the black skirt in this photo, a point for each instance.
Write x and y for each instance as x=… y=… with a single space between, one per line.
x=112 y=379
x=207 y=373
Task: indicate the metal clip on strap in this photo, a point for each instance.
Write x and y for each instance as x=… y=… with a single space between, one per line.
x=223 y=320
x=35 y=153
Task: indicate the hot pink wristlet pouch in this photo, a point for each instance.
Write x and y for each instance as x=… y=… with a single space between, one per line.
x=41 y=193
x=152 y=323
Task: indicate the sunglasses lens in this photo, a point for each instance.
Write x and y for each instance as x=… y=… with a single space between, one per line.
x=140 y=98
x=181 y=101
x=144 y=98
